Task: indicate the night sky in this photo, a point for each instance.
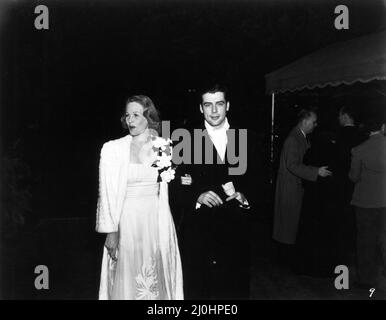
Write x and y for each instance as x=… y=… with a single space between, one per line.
x=63 y=89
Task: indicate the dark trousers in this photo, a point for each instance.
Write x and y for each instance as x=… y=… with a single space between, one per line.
x=215 y=254
x=371 y=235
x=345 y=221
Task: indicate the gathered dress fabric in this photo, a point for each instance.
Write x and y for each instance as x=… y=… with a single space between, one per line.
x=148 y=265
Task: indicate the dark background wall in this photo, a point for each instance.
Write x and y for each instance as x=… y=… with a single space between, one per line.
x=63 y=89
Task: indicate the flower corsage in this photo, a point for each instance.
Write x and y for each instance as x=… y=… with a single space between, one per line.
x=163 y=148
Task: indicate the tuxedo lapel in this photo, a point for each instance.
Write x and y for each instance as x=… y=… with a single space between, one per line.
x=216 y=156
x=235 y=140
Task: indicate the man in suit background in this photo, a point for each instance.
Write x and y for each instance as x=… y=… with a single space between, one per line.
x=289 y=188
x=348 y=137
x=215 y=235
x=368 y=172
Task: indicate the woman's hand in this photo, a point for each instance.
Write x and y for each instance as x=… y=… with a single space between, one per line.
x=111 y=244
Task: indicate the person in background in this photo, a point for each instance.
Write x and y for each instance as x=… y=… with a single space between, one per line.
x=368 y=172
x=289 y=188
x=348 y=137
x=318 y=230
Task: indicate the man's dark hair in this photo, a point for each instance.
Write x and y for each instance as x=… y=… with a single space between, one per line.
x=374 y=120
x=350 y=111
x=305 y=113
x=213 y=88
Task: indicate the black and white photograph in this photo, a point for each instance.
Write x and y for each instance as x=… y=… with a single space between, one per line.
x=208 y=150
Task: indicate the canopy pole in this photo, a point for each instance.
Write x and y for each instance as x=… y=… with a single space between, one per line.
x=272 y=132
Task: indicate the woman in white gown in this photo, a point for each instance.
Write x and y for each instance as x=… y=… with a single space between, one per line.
x=141 y=258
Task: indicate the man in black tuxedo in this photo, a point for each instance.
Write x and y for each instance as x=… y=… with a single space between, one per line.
x=347 y=138
x=214 y=229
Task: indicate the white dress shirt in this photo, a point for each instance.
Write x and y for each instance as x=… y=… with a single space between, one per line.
x=219 y=138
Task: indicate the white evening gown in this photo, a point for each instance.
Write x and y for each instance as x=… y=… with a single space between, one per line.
x=148 y=265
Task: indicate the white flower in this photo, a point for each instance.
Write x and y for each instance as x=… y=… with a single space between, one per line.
x=168 y=175
x=164 y=161
x=160 y=143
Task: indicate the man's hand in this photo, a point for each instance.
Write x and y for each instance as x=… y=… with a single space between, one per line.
x=210 y=199
x=323 y=172
x=111 y=244
x=239 y=196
